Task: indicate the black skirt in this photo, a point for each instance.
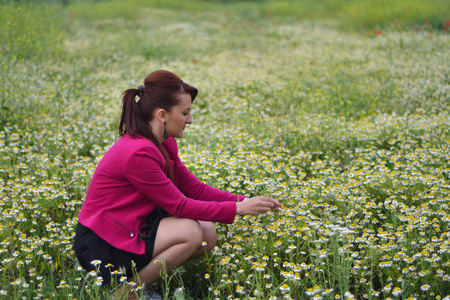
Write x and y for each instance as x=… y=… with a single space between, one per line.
x=89 y=247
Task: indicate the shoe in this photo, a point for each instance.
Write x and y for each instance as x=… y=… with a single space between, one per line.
x=150 y=294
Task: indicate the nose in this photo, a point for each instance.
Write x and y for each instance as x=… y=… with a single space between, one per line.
x=189 y=119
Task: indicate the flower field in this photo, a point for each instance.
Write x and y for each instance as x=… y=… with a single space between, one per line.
x=350 y=130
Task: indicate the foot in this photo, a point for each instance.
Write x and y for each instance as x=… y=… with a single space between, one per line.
x=150 y=294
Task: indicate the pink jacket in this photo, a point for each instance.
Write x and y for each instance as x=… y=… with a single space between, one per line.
x=130 y=182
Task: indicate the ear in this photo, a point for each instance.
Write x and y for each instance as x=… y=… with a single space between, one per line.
x=161 y=115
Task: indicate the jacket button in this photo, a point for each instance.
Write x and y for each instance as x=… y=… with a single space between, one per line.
x=131 y=234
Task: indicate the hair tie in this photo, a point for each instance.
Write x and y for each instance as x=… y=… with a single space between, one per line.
x=139 y=93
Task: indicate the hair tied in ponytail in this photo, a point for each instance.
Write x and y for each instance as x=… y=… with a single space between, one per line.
x=139 y=93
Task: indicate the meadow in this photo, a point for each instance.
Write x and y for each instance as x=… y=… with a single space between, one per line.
x=339 y=109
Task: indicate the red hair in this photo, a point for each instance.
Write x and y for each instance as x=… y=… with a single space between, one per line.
x=161 y=90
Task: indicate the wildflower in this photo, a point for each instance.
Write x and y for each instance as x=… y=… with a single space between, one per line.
x=387 y=288
x=132 y=283
x=96 y=262
x=425 y=287
x=309 y=292
x=99 y=281
x=240 y=289
x=16 y=282
x=327 y=292
x=206 y=276
x=349 y=295
x=397 y=291
x=285 y=288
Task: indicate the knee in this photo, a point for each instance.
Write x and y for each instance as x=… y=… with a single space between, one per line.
x=209 y=235
x=194 y=232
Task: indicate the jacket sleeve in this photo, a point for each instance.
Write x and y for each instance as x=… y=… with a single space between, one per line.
x=146 y=172
x=191 y=186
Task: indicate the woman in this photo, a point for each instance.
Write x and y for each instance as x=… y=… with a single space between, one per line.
x=143 y=204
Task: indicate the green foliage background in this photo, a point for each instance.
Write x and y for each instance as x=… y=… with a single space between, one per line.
x=337 y=108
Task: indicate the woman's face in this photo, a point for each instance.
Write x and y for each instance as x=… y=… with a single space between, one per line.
x=179 y=116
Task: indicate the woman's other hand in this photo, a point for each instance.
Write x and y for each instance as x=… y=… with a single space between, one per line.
x=256 y=206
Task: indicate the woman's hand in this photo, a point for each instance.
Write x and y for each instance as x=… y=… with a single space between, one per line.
x=256 y=206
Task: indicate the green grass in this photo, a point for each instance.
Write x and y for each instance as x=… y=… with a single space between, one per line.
x=32 y=31
x=352 y=15
x=305 y=101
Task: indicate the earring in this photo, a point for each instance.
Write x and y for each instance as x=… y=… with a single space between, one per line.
x=166 y=135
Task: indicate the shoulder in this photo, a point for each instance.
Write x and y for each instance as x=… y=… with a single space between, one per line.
x=130 y=146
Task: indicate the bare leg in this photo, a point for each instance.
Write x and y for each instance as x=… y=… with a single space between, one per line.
x=209 y=236
x=177 y=241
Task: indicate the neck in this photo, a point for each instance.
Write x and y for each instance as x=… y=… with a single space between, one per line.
x=157 y=130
